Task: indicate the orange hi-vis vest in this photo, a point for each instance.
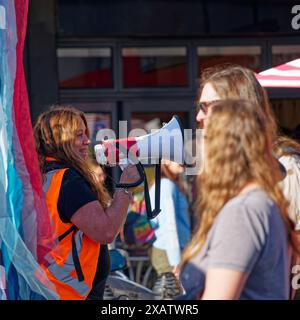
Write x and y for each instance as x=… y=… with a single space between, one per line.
x=72 y=263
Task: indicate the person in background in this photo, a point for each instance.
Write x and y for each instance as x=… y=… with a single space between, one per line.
x=237 y=82
x=240 y=249
x=172 y=229
x=288 y=153
x=84 y=217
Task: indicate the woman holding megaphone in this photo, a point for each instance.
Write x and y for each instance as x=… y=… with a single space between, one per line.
x=84 y=218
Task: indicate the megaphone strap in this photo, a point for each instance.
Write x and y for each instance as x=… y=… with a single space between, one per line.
x=153 y=213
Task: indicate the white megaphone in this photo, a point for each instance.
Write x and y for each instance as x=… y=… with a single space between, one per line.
x=166 y=143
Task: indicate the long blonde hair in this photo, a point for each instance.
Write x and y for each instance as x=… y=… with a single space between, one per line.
x=238 y=150
x=236 y=82
x=55 y=132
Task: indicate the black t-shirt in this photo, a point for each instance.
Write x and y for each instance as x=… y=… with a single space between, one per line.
x=75 y=192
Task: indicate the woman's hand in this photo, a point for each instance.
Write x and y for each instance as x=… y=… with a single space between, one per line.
x=130 y=174
x=176 y=271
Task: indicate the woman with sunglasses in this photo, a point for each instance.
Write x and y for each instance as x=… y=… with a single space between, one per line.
x=240 y=248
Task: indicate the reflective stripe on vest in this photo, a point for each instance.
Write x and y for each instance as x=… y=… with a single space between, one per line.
x=63 y=273
x=48 y=179
x=61 y=269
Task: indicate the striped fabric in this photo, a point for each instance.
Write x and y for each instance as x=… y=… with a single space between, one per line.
x=24 y=221
x=283 y=76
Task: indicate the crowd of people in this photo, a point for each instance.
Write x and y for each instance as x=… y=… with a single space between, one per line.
x=245 y=242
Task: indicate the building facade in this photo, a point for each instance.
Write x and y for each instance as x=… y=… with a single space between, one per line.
x=140 y=60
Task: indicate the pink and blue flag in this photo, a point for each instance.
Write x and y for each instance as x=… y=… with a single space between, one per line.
x=24 y=221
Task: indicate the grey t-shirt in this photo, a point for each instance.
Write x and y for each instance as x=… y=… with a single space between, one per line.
x=248 y=235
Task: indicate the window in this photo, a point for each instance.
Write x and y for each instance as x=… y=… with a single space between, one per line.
x=247 y=56
x=85 y=67
x=155 y=120
x=284 y=53
x=155 y=67
x=96 y=122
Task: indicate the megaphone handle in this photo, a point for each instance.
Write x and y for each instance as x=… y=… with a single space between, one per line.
x=133 y=159
x=140 y=169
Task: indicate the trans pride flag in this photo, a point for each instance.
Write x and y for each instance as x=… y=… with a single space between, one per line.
x=24 y=222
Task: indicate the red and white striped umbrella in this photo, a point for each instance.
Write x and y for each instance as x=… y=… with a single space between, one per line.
x=284 y=76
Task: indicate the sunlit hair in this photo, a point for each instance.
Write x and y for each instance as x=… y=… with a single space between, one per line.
x=285 y=146
x=237 y=82
x=238 y=150
x=55 y=133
